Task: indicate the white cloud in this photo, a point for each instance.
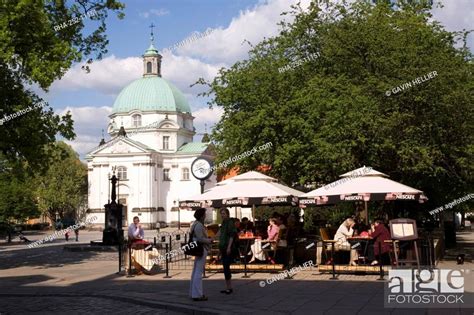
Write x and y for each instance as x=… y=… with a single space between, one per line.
x=227 y=44
x=88 y=124
x=184 y=71
x=456 y=16
x=108 y=75
x=88 y=114
x=83 y=144
x=202 y=57
x=206 y=117
x=204 y=120
x=155 y=12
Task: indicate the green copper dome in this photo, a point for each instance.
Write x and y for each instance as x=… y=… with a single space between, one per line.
x=151 y=51
x=149 y=94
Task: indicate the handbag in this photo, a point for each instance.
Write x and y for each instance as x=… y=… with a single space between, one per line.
x=192 y=248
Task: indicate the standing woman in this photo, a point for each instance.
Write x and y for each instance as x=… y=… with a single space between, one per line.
x=227 y=235
x=200 y=236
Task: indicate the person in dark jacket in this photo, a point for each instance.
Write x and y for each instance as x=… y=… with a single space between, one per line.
x=380 y=234
x=227 y=237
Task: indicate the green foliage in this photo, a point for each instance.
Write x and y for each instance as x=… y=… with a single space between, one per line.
x=32 y=53
x=63 y=188
x=17 y=199
x=331 y=115
x=266 y=212
x=309 y=226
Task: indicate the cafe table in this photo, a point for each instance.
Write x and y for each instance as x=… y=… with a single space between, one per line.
x=364 y=242
x=248 y=238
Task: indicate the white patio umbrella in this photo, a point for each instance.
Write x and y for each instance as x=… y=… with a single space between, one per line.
x=363 y=184
x=247 y=190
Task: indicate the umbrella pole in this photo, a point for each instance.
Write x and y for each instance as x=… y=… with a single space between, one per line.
x=253 y=214
x=366 y=213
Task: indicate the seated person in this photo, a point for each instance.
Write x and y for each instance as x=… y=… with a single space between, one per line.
x=141 y=255
x=273 y=231
x=282 y=236
x=363 y=230
x=246 y=225
x=237 y=224
x=343 y=232
x=380 y=234
x=136 y=233
x=281 y=221
x=256 y=249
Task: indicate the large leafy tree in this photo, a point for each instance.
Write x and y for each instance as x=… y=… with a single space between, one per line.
x=34 y=52
x=63 y=189
x=331 y=114
x=60 y=189
x=17 y=199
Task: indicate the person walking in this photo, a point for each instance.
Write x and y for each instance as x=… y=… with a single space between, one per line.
x=76 y=231
x=227 y=237
x=199 y=232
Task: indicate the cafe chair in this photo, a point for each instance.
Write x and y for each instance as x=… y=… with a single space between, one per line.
x=270 y=249
x=340 y=256
x=284 y=251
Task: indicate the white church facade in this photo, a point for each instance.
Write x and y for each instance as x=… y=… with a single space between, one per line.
x=151 y=150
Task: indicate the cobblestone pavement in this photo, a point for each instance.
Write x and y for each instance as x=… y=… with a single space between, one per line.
x=73 y=305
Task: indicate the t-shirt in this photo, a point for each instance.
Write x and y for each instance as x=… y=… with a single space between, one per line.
x=227 y=230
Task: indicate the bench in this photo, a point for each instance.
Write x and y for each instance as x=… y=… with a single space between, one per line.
x=251 y=267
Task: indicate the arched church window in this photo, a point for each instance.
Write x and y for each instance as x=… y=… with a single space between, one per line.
x=185 y=174
x=148 y=67
x=137 y=120
x=166 y=142
x=122 y=173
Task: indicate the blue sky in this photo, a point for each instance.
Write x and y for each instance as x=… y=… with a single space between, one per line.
x=90 y=97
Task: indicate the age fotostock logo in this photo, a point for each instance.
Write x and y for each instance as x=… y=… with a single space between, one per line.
x=413 y=288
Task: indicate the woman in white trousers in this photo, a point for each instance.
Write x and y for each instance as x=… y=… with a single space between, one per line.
x=200 y=236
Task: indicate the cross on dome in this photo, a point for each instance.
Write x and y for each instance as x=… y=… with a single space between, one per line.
x=151 y=58
x=151 y=33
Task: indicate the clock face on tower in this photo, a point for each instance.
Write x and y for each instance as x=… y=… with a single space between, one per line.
x=201 y=168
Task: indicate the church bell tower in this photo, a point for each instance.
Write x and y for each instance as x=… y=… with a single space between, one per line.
x=151 y=59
